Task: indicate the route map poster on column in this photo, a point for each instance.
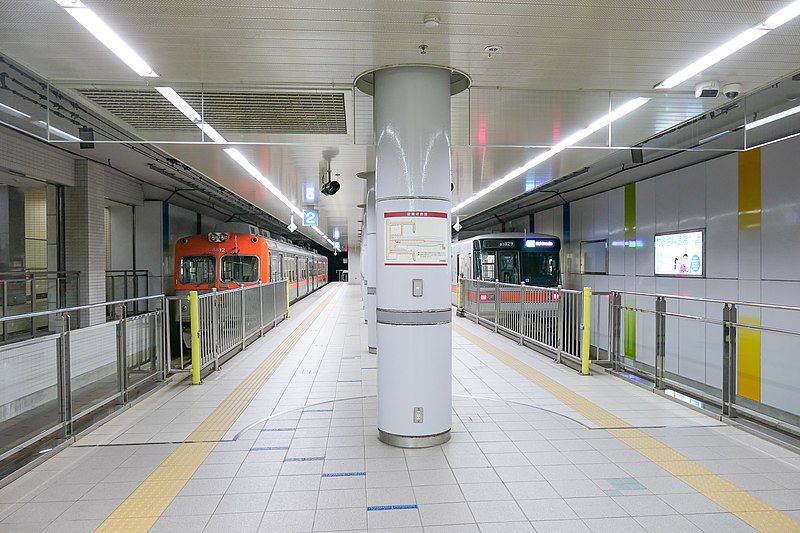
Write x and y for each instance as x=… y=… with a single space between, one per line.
x=416 y=238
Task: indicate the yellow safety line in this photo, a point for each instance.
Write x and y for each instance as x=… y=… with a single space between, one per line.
x=747 y=507
x=142 y=508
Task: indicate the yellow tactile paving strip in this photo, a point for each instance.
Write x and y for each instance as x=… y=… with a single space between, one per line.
x=142 y=508
x=747 y=507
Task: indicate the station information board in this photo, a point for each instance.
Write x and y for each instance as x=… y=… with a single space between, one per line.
x=416 y=238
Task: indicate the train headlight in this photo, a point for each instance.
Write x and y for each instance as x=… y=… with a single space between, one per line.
x=217 y=236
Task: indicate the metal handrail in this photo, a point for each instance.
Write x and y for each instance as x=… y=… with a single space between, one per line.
x=777 y=307
x=78 y=308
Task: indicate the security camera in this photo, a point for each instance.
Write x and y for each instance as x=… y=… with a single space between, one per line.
x=732 y=90
x=330 y=188
x=707 y=89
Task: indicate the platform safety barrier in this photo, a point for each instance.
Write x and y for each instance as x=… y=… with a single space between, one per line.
x=53 y=385
x=738 y=356
x=218 y=324
x=555 y=320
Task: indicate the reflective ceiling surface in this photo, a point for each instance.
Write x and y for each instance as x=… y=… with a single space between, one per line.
x=562 y=65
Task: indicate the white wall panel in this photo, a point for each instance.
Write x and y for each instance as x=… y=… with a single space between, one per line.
x=668 y=194
x=645 y=230
x=691 y=333
x=691 y=185
x=780 y=364
x=780 y=215
x=616 y=231
x=722 y=217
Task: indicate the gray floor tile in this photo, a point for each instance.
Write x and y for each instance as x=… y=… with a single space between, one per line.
x=667 y=524
x=292 y=501
x=249 y=485
x=438 y=494
x=560 y=526
x=339 y=499
x=687 y=504
x=715 y=522
x=340 y=519
x=474 y=492
x=603 y=507
x=614 y=525
x=180 y=524
x=201 y=487
x=91 y=510
x=41 y=512
x=193 y=505
x=506 y=527
x=436 y=514
x=496 y=511
x=644 y=505
x=549 y=509
x=227 y=523
x=287 y=521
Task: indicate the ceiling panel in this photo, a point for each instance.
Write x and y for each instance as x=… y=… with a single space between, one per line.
x=562 y=65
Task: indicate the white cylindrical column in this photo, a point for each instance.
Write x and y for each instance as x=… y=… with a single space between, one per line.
x=371 y=268
x=412 y=215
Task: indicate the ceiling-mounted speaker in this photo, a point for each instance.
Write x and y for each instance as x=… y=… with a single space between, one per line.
x=86 y=134
x=637 y=156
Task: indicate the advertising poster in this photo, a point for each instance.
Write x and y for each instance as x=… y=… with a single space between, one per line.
x=679 y=254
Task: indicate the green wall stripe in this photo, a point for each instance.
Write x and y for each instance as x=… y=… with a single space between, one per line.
x=630 y=236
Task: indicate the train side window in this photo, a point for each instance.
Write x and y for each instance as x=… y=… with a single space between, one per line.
x=198 y=269
x=240 y=268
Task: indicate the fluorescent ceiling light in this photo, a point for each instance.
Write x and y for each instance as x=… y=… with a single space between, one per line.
x=89 y=20
x=775 y=20
x=180 y=104
x=13 y=112
x=237 y=156
x=576 y=137
x=55 y=131
x=189 y=112
x=772 y=118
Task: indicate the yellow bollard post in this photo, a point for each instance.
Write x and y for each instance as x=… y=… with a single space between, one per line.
x=194 y=329
x=287 y=297
x=458 y=294
x=586 y=330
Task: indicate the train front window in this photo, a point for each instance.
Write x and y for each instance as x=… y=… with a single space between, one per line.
x=240 y=268
x=540 y=268
x=508 y=267
x=196 y=270
x=487 y=264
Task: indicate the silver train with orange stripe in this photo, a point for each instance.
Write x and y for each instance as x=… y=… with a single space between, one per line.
x=494 y=266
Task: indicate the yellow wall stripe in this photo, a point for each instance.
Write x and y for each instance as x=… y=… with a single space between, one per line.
x=747 y=507
x=749 y=340
x=142 y=508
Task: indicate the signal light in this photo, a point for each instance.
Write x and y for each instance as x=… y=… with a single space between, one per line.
x=217 y=236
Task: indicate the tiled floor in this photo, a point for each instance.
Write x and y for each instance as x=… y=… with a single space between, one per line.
x=519 y=458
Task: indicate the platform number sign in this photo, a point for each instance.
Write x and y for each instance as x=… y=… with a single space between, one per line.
x=310 y=217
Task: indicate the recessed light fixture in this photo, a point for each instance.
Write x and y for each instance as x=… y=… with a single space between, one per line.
x=576 y=137
x=492 y=49
x=431 y=20
x=776 y=20
x=89 y=20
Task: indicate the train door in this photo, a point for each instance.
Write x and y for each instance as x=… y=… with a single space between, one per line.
x=308 y=264
x=508 y=267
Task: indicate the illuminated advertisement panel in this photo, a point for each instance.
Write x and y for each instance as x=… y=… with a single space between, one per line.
x=680 y=254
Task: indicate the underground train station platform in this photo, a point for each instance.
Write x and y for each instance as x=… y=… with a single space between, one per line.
x=283 y=438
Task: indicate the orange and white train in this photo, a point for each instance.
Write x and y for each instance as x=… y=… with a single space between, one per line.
x=225 y=260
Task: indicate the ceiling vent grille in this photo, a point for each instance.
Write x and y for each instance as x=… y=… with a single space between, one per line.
x=234 y=112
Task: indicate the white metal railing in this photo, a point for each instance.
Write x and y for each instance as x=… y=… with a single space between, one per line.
x=228 y=321
x=50 y=384
x=546 y=317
